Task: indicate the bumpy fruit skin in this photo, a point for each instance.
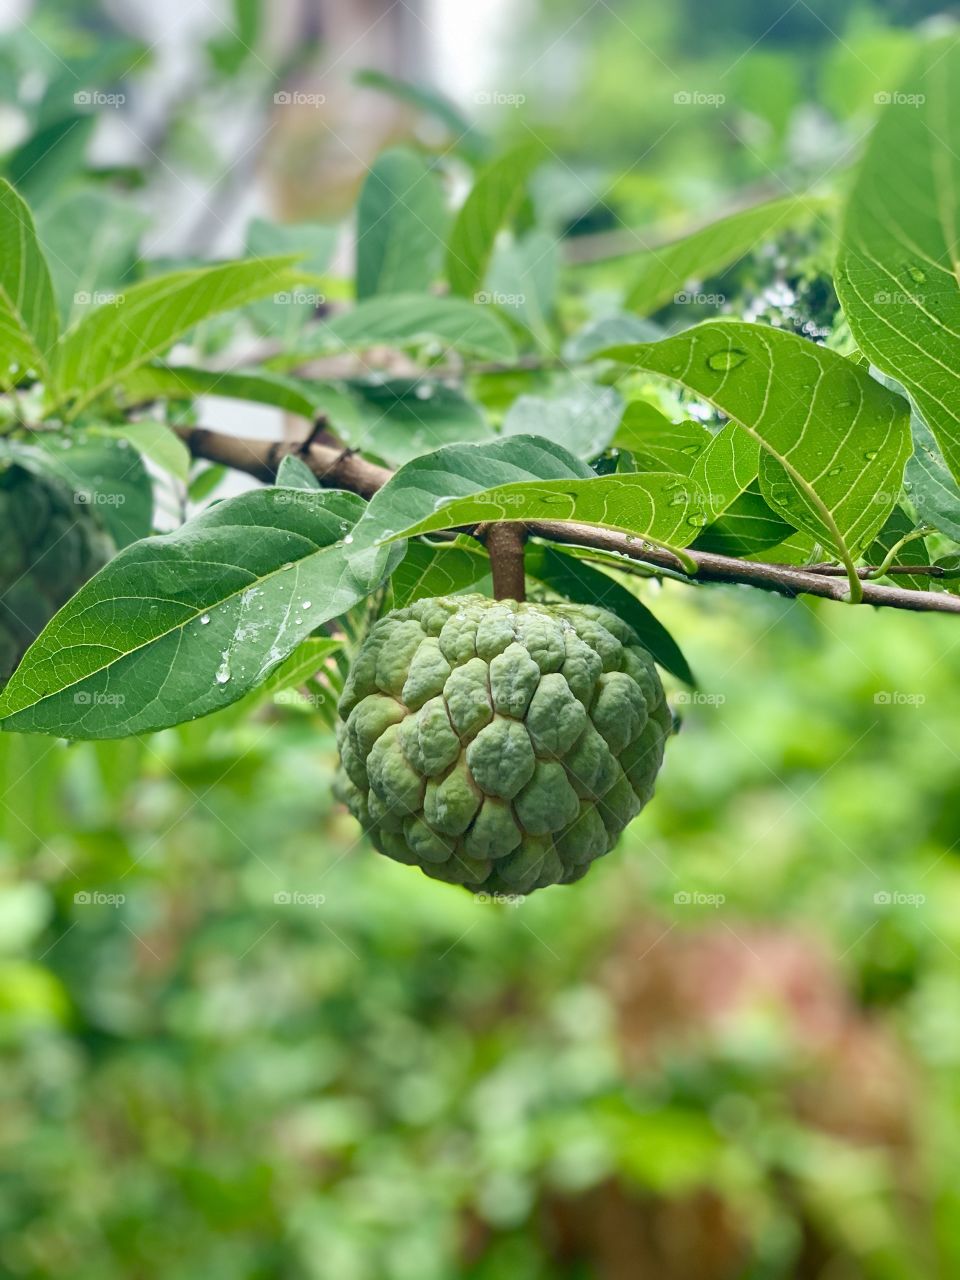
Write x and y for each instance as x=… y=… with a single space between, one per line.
x=49 y=546
x=497 y=745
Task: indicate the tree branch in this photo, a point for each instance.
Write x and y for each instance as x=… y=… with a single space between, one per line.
x=344 y=469
x=504 y=540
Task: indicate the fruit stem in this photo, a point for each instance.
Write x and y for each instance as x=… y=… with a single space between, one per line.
x=504 y=541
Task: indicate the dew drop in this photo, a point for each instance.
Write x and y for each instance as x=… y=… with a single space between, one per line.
x=834 y=471
x=223 y=671
x=698 y=520
x=870 y=455
x=205 y=619
x=917 y=275
x=307 y=604
x=691 y=450
x=730 y=358
x=348 y=539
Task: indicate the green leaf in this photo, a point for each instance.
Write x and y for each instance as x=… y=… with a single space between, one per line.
x=656 y=443
x=610 y=331
x=401 y=224
x=664 y=271
x=105 y=474
x=293 y=473
x=285 y=315
x=465 y=136
x=747 y=527
x=304 y=663
x=834 y=440
x=656 y=505
x=28 y=314
x=41 y=166
x=427 y=483
x=403 y=418
x=412 y=319
x=112 y=341
x=260 y=386
x=493 y=200
x=581 y=582
x=90 y=238
x=154 y=441
x=898 y=526
x=897 y=266
x=428 y=570
x=522 y=280
x=932 y=490
x=721 y=463
x=583 y=418
x=178 y=626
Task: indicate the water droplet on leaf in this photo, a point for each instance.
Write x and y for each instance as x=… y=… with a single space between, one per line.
x=205 y=619
x=721 y=361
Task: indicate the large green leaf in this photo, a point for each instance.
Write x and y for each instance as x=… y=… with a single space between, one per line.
x=402 y=418
x=178 y=626
x=465 y=137
x=260 y=386
x=664 y=271
x=408 y=319
x=583 y=417
x=28 y=313
x=90 y=238
x=284 y=315
x=430 y=482
x=932 y=490
x=658 y=506
x=428 y=570
x=898 y=262
x=401 y=223
x=105 y=474
x=722 y=463
x=493 y=200
x=834 y=441
x=113 y=340
x=579 y=581
x=747 y=527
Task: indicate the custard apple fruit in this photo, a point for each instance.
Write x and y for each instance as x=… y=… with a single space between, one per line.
x=49 y=546
x=497 y=745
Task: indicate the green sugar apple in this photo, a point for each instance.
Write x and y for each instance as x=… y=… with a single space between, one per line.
x=49 y=546
x=497 y=745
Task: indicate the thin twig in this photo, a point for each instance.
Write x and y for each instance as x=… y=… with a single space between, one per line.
x=341 y=468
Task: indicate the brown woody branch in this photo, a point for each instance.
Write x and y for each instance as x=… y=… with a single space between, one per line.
x=343 y=469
